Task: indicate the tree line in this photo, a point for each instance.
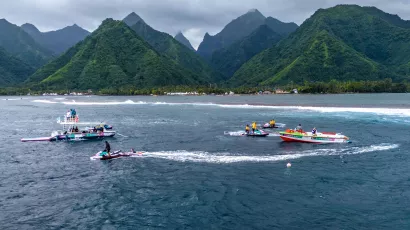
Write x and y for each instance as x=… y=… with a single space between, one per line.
x=332 y=87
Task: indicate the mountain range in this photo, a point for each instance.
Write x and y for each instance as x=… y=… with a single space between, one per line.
x=22 y=46
x=233 y=31
x=229 y=60
x=343 y=43
x=57 y=41
x=113 y=56
x=168 y=46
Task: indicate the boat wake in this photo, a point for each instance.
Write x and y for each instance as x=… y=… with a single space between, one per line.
x=235 y=134
x=379 y=111
x=280 y=125
x=226 y=158
x=242 y=133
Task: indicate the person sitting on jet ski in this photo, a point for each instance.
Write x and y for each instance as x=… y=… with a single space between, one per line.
x=254 y=127
x=272 y=123
x=107 y=148
x=247 y=129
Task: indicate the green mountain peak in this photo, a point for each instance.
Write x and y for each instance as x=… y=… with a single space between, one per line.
x=112 y=56
x=345 y=42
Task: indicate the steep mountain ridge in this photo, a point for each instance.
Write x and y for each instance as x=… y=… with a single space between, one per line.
x=183 y=40
x=345 y=43
x=57 y=41
x=112 y=56
x=167 y=45
x=230 y=59
x=21 y=45
x=232 y=32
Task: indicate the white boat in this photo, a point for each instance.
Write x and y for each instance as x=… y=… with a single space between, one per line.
x=308 y=137
x=74 y=130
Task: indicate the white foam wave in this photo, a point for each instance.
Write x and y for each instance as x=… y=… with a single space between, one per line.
x=45 y=101
x=59 y=98
x=11 y=99
x=234 y=133
x=185 y=156
x=280 y=125
x=127 y=102
x=379 y=111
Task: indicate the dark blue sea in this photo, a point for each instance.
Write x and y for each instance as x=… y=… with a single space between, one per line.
x=197 y=173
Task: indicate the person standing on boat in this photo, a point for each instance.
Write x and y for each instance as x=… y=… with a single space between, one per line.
x=253 y=127
x=68 y=115
x=314 y=131
x=247 y=129
x=299 y=128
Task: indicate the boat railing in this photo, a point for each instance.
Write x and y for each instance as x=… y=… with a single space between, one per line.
x=72 y=119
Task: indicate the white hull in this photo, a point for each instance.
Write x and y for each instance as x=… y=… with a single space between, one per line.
x=310 y=138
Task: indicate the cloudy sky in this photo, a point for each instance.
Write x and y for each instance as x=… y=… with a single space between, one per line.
x=193 y=17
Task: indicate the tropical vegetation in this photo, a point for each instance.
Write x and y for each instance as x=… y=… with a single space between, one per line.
x=344 y=43
x=112 y=56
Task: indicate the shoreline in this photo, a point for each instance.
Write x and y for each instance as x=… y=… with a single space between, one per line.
x=190 y=95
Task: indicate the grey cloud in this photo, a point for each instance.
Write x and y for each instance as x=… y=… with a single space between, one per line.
x=193 y=17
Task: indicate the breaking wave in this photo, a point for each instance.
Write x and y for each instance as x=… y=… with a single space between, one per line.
x=127 y=102
x=11 y=99
x=221 y=158
x=45 y=101
x=379 y=111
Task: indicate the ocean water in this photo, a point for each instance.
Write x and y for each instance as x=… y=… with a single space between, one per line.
x=197 y=173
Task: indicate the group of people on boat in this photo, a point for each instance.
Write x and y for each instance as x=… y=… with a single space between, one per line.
x=72 y=115
x=98 y=128
x=299 y=129
x=254 y=128
x=74 y=129
x=272 y=124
